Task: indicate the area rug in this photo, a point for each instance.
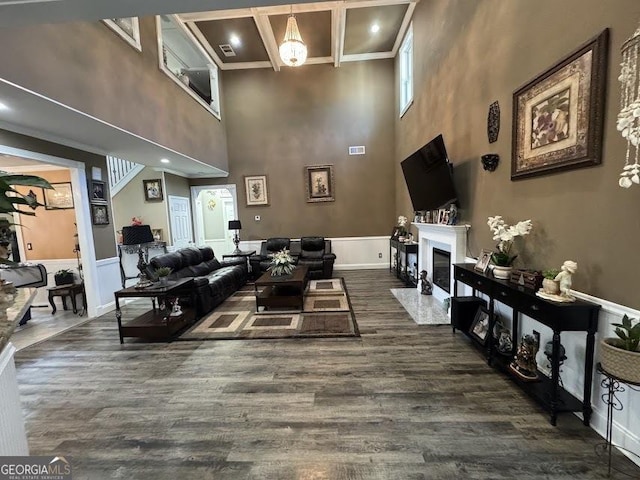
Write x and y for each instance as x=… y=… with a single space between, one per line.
x=327 y=312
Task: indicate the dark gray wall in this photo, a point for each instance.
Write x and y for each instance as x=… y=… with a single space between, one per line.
x=279 y=122
x=469 y=54
x=87 y=66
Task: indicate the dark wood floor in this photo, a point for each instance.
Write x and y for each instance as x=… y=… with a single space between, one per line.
x=402 y=402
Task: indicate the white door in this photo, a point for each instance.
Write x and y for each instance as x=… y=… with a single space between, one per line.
x=180 y=221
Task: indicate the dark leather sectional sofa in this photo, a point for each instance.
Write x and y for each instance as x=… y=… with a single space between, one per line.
x=214 y=280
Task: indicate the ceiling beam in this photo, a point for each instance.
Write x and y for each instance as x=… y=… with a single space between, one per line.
x=268 y=39
x=338 y=23
x=205 y=44
x=403 y=28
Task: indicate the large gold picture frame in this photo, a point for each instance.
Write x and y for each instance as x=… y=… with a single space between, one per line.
x=558 y=116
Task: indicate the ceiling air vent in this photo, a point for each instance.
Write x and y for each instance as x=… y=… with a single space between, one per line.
x=227 y=50
x=359 y=150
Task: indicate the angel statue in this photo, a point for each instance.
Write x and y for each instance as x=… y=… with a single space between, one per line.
x=564 y=277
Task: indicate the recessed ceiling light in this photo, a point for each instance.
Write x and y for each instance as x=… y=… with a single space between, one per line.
x=235 y=40
x=3 y=106
x=375 y=28
x=165 y=160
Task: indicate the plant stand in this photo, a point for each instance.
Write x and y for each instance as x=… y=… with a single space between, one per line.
x=613 y=386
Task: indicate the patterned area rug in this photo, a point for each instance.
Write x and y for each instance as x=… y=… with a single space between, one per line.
x=327 y=312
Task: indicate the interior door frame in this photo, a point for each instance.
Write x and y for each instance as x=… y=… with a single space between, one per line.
x=195 y=191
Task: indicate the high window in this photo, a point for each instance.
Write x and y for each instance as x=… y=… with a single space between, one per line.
x=406 y=71
x=127 y=28
x=186 y=62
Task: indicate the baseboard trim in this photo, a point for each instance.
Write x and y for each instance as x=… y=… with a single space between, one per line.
x=361 y=266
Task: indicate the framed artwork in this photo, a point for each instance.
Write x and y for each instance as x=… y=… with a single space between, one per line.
x=255 y=187
x=153 y=190
x=480 y=326
x=558 y=116
x=484 y=259
x=157 y=234
x=99 y=214
x=60 y=198
x=319 y=183
x=97 y=192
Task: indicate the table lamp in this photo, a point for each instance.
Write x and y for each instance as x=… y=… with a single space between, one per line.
x=138 y=235
x=236 y=225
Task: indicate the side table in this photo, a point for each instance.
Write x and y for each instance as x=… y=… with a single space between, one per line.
x=612 y=384
x=68 y=290
x=242 y=253
x=157 y=323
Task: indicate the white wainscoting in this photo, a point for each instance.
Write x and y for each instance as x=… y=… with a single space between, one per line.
x=13 y=437
x=626 y=424
x=110 y=282
x=352 y=253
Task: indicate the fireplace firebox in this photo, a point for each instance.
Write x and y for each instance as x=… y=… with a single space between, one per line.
x=442 y=269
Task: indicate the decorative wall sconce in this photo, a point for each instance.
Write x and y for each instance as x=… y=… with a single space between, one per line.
x=490 y=161
x=493 y=122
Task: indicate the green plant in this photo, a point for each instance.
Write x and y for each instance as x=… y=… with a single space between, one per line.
x=64 y=271
x=629 y=334
x=551 y=274
x=163 y=271
x=11 y=199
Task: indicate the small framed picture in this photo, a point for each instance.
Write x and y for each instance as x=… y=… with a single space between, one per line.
x=480 y=326
x=484 y=259
x=60 y=198
x=153 y=190
x=319 y=183
x=99 y=214
x=255 y=187
x=157 y=234
x=97 y=192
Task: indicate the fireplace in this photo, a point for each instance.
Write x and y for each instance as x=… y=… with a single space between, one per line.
x=442 y=269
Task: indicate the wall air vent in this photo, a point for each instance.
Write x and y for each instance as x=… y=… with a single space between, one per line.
x=227 y=50
x=359 y=150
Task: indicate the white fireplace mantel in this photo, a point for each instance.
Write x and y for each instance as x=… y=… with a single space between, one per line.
x=451 y=238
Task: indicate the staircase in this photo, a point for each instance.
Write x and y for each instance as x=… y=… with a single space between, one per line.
x=121 y=172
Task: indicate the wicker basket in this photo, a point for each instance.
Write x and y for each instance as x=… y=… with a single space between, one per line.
x=623 y=364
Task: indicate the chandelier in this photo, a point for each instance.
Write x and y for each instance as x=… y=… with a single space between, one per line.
x=628 y=123
x=293 y=51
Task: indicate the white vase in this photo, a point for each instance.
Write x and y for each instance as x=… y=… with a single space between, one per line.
x=502 y=273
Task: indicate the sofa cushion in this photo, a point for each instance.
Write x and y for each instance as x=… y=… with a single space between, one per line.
x=277 y=244
x=190 y=256
x=172 y=260
x=312 y=263
x=311 y=247
x=207 y=253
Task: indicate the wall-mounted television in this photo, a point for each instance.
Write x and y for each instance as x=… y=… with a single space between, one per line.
x=428 y=174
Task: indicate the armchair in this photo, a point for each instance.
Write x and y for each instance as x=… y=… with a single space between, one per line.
x=315 y=253
x=260 y=263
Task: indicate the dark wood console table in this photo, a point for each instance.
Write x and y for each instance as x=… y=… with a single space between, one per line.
x=401 y=257
x=578 y=316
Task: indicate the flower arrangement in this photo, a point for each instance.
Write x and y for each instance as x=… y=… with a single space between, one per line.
x=402 y=223
x=281 y=263
x=136 y=221
x=505 y=235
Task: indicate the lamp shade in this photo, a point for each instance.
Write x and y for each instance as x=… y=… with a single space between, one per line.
x=137 y=234
x=235 y=225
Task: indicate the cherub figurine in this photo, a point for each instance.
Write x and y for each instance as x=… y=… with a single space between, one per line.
x=427 y=289
x=564 y=277
x=176 y=310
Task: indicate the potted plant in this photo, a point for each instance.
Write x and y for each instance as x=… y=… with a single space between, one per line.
x=549 y=283
x=505 y=234
x=281 y=263
x=64 y=277
x=620 y=356
x=162 y=273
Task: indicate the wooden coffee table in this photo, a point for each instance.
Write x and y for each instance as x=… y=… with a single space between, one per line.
x=281 y=291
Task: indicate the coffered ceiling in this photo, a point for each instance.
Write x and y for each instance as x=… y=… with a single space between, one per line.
x=334 y=32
